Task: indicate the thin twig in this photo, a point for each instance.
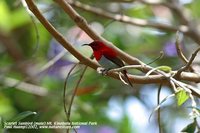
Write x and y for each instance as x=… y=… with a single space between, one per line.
x=120 y=76
x=188 y=65
x=157 y=58
x=74 y=93
x=64 y=94
x=147 y=79
x=158 y=106
x=170 y=77
x=188 y=88
x=65 y=87
x=158 y=102
x=37 y=37
x=178 y=48
x=68 y=112
x=35 y=27
x=192 y=59
x=127 y=67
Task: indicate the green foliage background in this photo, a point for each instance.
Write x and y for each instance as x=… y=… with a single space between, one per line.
x=144 y=43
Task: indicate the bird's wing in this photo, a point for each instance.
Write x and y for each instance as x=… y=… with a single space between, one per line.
x=116 y=61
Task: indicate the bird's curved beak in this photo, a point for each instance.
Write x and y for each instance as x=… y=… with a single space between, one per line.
x=85 y=45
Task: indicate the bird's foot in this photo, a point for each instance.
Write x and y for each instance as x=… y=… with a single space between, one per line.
x=102 y=70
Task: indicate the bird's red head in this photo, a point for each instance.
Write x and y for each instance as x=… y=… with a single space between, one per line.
x=96 y=45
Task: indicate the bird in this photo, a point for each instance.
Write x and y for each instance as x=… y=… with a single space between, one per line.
x=107 y=57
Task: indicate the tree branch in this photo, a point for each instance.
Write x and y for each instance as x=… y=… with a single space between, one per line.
x=188 y=76
x=82 y=23
x=178 y=48
x=179 y=51
x=188 y=65
x=179 y=11
x=135 y=79
x=185 y=26
x=126 y=19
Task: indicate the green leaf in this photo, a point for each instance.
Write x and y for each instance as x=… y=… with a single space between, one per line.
x=190 y=128
x=166 y=69
x=23 y=115
x=181 y=96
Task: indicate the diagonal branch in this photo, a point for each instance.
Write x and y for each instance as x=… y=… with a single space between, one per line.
x=59 y=37
x=82 y=23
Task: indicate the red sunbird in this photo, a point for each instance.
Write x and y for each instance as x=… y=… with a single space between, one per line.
x=107 y=57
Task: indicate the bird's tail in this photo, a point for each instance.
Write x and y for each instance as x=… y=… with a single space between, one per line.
x=127 y=78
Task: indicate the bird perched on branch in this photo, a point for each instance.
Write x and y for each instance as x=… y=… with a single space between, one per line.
x=107 y=57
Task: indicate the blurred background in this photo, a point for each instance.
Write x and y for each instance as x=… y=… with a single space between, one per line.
x=29 y=82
